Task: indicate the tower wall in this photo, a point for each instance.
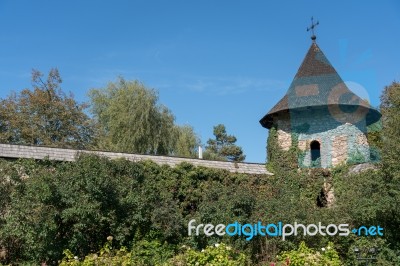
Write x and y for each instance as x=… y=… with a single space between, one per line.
x=341 y=135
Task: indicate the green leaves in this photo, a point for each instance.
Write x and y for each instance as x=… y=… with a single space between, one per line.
x=304 y=255
x=130 y=119
x=48 y=207
x=45 y=116
x=187 y=142
x=219 y=254
x=390 y=109
x=223 y=147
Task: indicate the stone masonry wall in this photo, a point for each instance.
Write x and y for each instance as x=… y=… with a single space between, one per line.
x=284 y=134
x=34 y=152
x=338 y=139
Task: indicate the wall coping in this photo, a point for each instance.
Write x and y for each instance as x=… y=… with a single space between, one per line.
x=69 y=155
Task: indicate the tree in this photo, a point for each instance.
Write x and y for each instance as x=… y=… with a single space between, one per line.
x=223 y=147
x=390 y=109
x=44 y=116
x=187 y=142
x=130 y=119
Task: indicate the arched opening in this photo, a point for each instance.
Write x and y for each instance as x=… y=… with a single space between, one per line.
x=315 y=153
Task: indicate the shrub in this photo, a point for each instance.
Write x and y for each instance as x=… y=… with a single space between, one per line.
x=356 y=158
x=307 y=256
x=106 y=256
x=219 y=254
x=149 y=253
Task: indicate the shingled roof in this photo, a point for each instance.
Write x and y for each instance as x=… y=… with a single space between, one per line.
x=317 y=84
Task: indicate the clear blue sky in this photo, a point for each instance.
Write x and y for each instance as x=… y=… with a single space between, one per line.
x=211 y=61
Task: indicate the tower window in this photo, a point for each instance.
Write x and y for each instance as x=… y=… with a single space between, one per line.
x=315 y=153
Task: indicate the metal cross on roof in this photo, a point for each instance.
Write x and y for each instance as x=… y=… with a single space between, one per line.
x=313 y=25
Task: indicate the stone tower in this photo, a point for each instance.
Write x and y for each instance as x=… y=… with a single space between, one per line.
x=321 y=115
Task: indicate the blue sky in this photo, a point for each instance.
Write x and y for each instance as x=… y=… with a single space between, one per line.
x=211 y=61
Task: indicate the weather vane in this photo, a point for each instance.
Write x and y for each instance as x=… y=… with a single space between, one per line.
x=313 y=25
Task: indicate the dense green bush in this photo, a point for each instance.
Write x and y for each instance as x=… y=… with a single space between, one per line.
x=219 y=254
x=152 y=253
x=48 y=207
x=356 y=158
x=149 y=253
x=304 y=255
x=106 y=256
x=145 y=253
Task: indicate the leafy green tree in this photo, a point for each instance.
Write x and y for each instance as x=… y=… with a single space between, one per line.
x=187 y=142
x=45 y=116
x=130 y=119
x=223 y=147
x=30 y=227
x=390 y=109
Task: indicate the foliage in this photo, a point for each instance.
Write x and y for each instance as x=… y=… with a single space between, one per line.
x=219 y=254
x=385 y=255
x=145 y=253
x=58 y=206
x=223 y=147
x=130 y=119
x=355 y=158
x=374 y=136
x=390 y=109
x=149 y=253
x=307 y=256
x=48 y=207
x=153 y=253
x=187 y=142
x=45 y=116
x=106 y=256
x=278 y=159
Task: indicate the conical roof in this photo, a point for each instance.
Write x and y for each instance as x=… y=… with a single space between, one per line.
x=317 y=84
